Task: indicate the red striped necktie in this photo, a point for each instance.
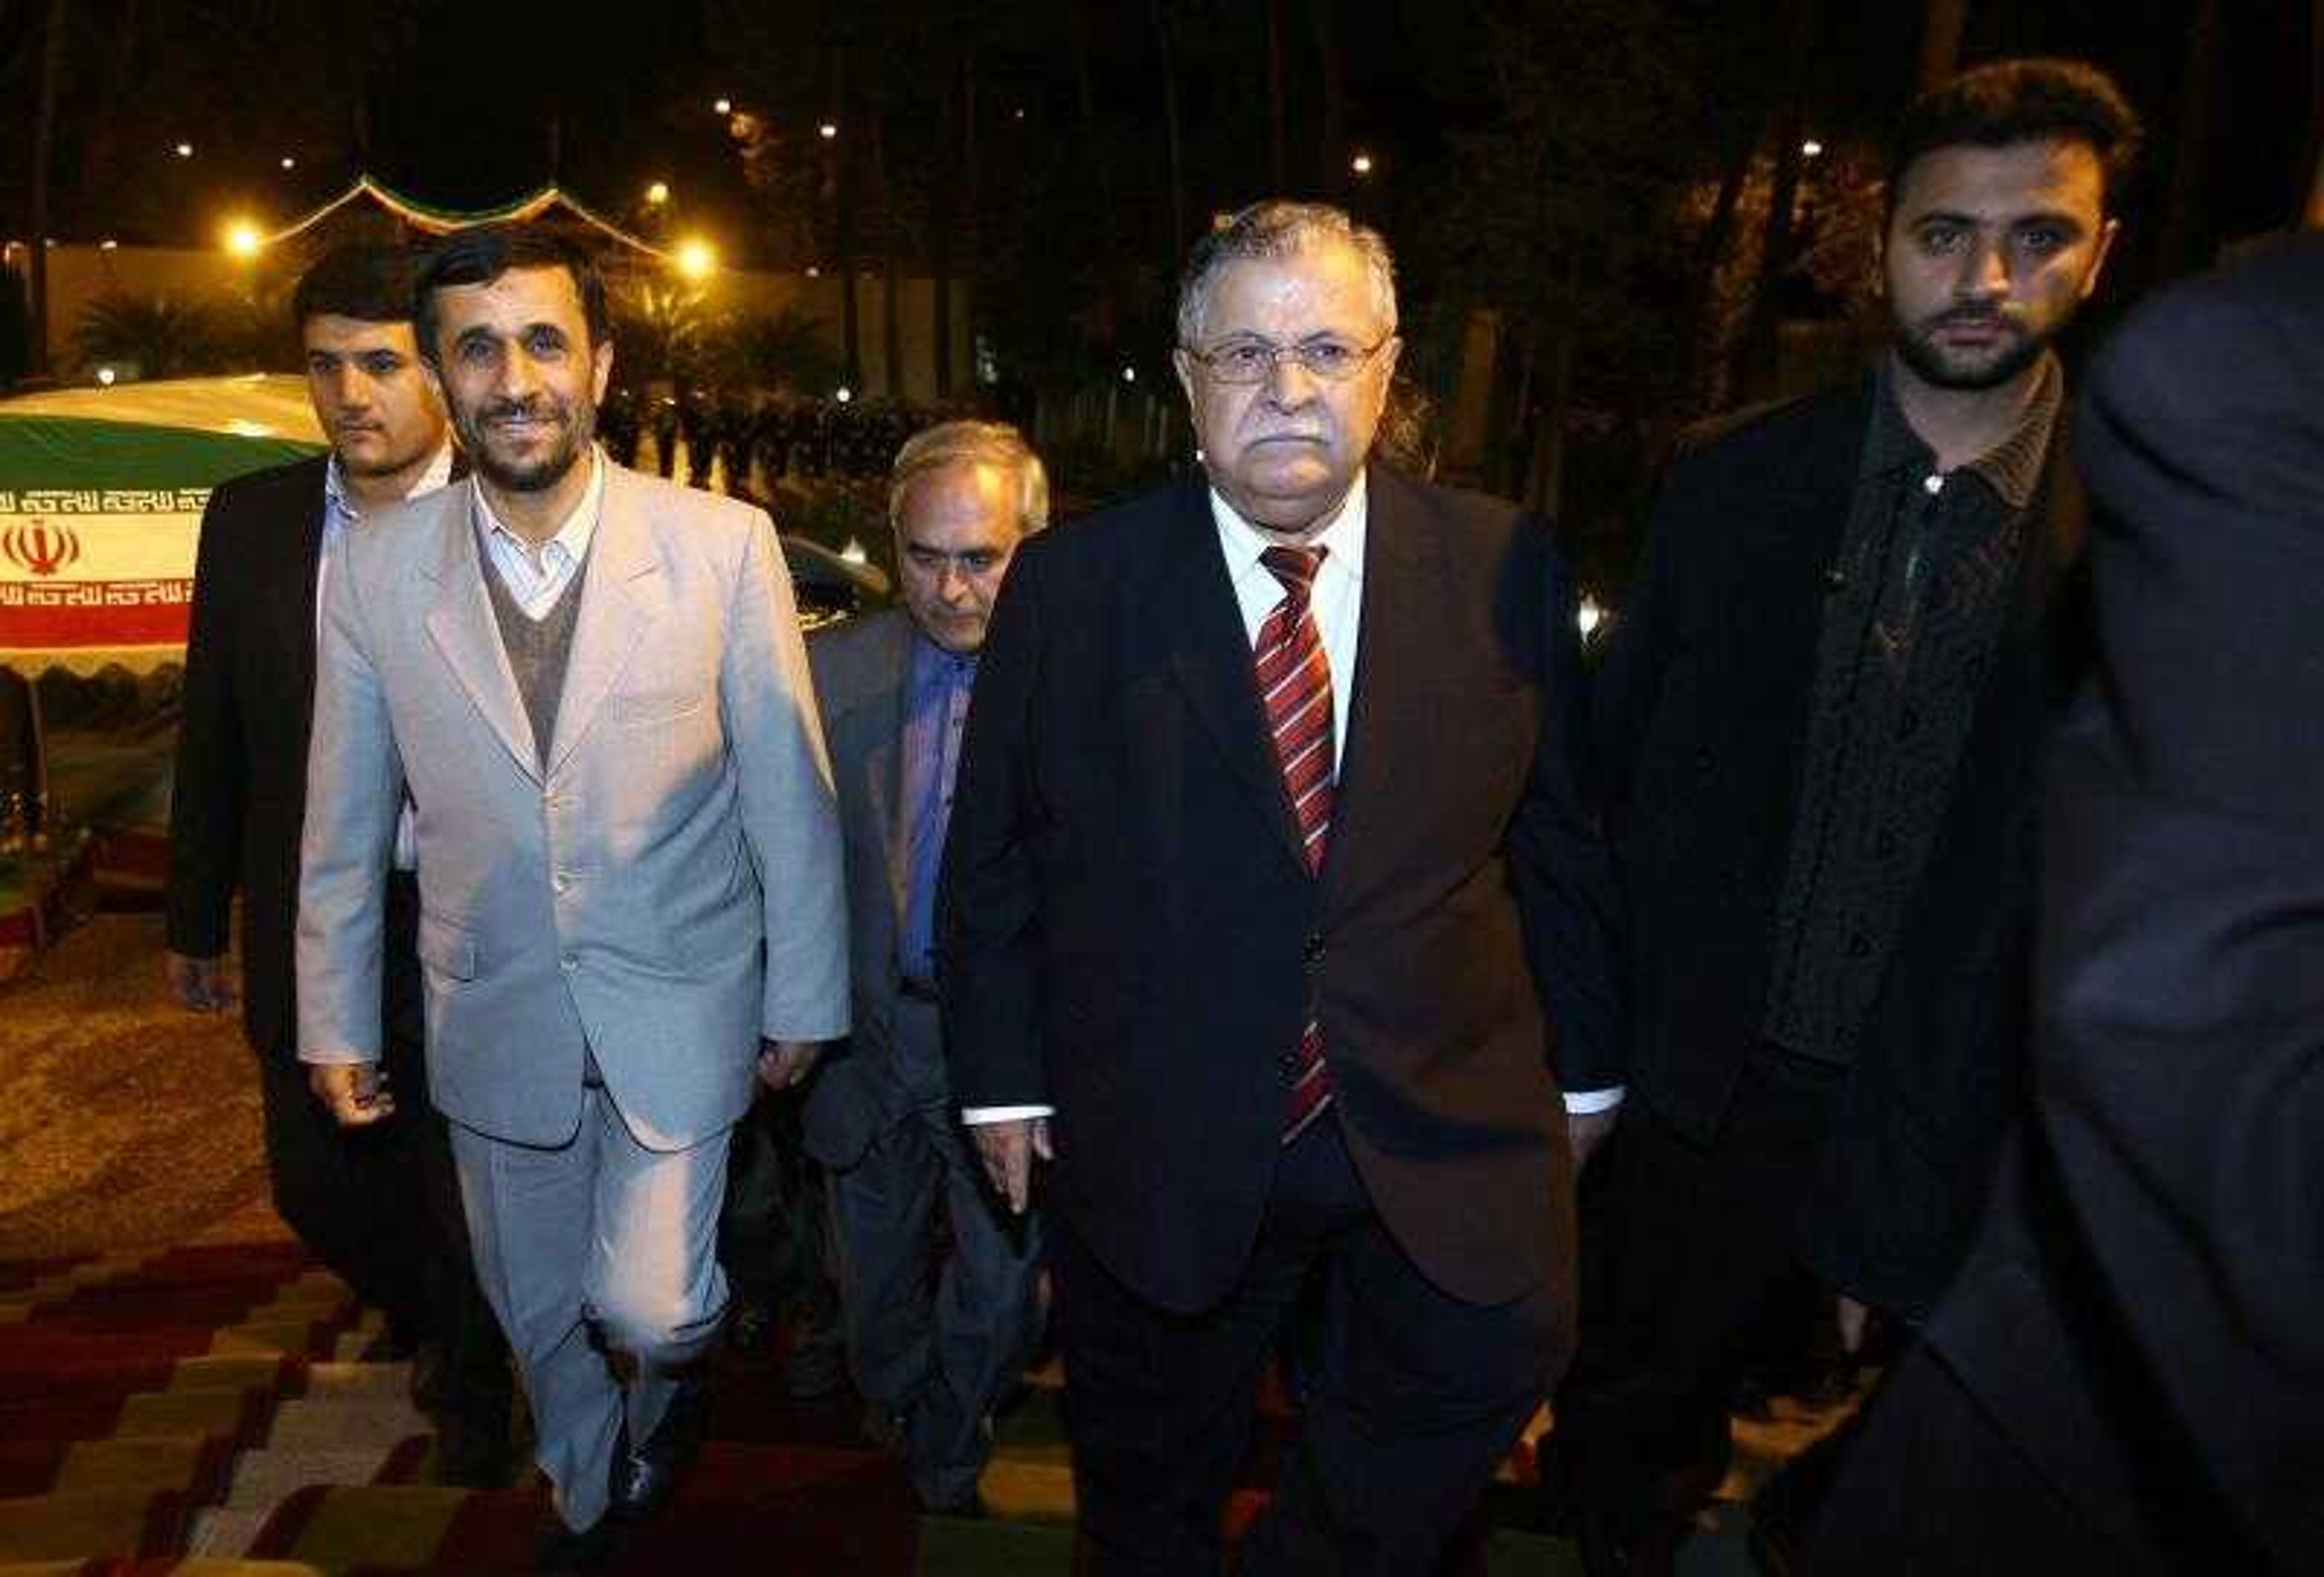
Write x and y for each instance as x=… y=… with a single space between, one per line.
x=1295 y=685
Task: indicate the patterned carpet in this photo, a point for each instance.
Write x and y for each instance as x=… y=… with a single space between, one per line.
x=180 y=1390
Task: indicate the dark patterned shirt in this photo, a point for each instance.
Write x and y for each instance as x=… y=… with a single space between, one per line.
x=1927 y=572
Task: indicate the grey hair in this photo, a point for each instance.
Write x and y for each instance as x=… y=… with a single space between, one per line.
x=1275 y=229
x=982 y=443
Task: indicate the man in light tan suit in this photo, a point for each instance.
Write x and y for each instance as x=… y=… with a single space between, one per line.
x=592 y=686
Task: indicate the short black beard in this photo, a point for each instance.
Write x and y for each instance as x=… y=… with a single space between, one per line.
x=1916 y=350
x=581 y=426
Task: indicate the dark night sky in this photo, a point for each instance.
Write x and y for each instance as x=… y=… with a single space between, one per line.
x=464 y=95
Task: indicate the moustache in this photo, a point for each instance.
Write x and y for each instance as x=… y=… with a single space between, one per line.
x=1971 y=318
x=519 y=410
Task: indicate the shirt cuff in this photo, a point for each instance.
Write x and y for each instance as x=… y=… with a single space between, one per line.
x=1590 y=1102
x=978 y=1116
x=334 y=1056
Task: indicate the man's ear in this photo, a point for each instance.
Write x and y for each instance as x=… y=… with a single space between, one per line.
x=601 y=357
x=2104 y=249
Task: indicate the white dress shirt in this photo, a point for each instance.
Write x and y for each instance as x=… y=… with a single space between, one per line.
x=341 y=516
x=536 y=580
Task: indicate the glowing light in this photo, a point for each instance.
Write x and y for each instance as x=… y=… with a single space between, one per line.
x=657 y=194
x=827 y=130
x=243 y=238
x=108 y=245
x=1588 y=615
x=722 y=106
x=288 y=162
x=814 y=273
x=1362 y=164
x=1810 y=148
x=844 y=394
x=184 y=150
x=1130 y=374
x=106 y=376
x=854 y=552
x=697 y=258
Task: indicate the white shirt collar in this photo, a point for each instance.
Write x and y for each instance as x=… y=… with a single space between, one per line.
x=1243 y=542
x=343 y=502
x=570 y=544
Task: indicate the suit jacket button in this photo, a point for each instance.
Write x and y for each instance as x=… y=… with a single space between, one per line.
x=1311 y=950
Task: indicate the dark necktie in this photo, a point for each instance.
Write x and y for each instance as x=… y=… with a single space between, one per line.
x=1295 y=685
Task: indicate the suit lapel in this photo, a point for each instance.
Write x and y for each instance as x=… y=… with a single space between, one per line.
x=295 y=583
x=622 y=596
x=1402 y=582
x=883 y=765
x=1210 y=654
x=461 y=624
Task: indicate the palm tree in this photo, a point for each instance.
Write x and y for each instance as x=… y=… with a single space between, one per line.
x=162 y=336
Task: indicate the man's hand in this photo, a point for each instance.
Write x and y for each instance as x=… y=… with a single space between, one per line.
x=1009 y=1150
x=784 y=1065
x=199 y=985
x=1586 y=1130
x=355 y=1094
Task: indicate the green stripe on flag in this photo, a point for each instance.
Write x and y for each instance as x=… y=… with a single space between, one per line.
x=38 y=452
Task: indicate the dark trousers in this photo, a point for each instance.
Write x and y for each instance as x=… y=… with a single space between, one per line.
x=380 y=1206
x=1694 y=1260
x=1408 y=1409
x=937 y=1352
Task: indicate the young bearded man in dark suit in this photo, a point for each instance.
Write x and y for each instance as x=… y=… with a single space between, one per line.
x=1272 y=927
x=380 y=1208
x=2128 y=1375
x=1820 y=721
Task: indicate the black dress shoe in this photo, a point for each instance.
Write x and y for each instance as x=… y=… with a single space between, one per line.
x=643 y=1478
x=559 y=1552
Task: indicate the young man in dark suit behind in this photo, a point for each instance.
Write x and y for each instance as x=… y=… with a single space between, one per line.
x=380 y=1208
x=1820 y=723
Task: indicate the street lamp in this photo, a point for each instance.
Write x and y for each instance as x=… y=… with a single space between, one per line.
x=827 y=130
x=696 y=259
x=1362 y=164
x=243 y=239
x=288 y=162
x=184 y=150
x=1811 y=148
x=722 y=106
x=657 y=194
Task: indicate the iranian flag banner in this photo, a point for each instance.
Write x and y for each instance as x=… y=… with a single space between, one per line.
x=101 y=497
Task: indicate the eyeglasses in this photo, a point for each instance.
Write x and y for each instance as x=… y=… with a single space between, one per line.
x=1241 y=361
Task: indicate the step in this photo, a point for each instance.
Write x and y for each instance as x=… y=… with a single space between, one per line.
x=86 y=1523
x=300 y=1425
x=199 y=1464
x=266 y=1476
x=335 y=1381
x=222 y=1531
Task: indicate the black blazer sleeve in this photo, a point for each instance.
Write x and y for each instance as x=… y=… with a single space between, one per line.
x=205 y=805
x=988 y=936
x=1560 y=865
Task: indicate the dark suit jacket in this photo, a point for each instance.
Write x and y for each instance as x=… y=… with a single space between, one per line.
x=241 y=790
x=2144 y=1315
x=1703 y=717
x=1131 y=934
x=862 y=670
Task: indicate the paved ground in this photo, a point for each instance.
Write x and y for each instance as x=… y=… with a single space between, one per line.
x=128 y=1123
